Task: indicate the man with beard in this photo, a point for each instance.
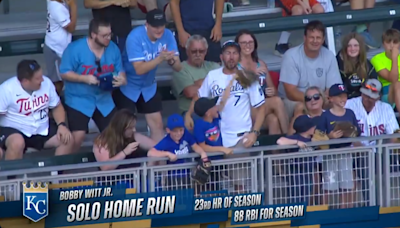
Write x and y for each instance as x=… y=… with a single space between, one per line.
x=147 y=47
x=236 y=124
x=84 y=64
x=308 y=64
x=187 y=82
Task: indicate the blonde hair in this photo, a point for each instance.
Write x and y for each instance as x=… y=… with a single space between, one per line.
x=306 y=111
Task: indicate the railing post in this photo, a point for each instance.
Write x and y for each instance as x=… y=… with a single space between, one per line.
x=330 y=39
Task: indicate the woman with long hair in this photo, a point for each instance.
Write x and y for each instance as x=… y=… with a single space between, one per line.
x=120 y=141
x=276 y=118
x=354 y=66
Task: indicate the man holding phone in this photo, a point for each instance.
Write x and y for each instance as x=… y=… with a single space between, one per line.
x=88 y=66
x=147 y=47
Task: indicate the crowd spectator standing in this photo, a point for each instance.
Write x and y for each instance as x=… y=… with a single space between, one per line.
x=363 y=29
x=61 y=23
x=196 y=17
x=188 y=80
x=147 y=47
x=354 y=66
x=85 y=63
x=308 y=64
x=276 y=119
x=294 y=8
x=148 y=5
x=117 y=13
x=25 y=101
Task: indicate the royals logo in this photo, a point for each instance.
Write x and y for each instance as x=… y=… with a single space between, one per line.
x=35 y=201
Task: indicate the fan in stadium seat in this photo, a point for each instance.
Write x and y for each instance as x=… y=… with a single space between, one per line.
x=276 y=119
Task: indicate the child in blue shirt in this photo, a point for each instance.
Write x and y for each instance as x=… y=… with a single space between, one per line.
x=178 y=141
x=338 y=169
x=300 y=170
x=207 y=130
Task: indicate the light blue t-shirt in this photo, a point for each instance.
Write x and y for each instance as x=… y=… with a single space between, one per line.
x=140 y=48
x=80 y=59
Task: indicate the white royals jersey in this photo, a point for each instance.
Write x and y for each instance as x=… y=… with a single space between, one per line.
x=381 y=120
x=26 y=112
x=57 y=38
x=236 y=115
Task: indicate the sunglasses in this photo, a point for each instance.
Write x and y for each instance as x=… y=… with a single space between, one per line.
x=98 y=65
x=373 y=89
x=314 y=97
x=34 y=65
x=199 y=51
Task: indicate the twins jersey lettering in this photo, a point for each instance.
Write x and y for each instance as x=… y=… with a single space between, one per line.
x=57 y=37
x=236 y=116
x=381 y=120
x=27 y=112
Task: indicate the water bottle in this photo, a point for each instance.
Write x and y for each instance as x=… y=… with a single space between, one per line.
x=271 y=3
x=338 y=38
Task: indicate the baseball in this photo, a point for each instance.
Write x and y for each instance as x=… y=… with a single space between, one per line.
x=245 y=140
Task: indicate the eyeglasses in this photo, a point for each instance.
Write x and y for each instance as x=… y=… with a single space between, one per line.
x=199 y=51
x=373 y=89
x=98 y=65
x=314 y=97
x=247 y=43
x=106 y=36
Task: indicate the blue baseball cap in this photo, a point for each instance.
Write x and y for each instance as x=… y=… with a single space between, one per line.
x=337 y=89
x=304 y=123
x=174 y=121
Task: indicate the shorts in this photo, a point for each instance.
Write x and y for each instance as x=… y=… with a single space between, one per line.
x=214 y=48
x=337 y=172
x=301 y=185
x=34 y=141
x=289 y=107
x=53 y=62
x=288 y=5
x=152 y=106
x=385 y=95
x=78 y=121
x=144 y=10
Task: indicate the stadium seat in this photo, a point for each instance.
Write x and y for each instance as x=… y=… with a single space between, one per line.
x=275 y=78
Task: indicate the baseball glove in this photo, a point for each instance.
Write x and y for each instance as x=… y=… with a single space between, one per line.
x=348 y=129
x=202 y=171
x=320 y=136
x=246 y=78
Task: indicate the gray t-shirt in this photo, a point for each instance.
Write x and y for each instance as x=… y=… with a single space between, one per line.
x=302 y=71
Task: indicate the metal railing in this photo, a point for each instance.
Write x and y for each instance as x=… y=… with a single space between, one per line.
x=341 y=178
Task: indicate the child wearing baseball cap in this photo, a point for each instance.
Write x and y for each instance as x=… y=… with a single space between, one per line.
x=338 y=171
x=301 y=169
x=207 y=131
x=178 y=141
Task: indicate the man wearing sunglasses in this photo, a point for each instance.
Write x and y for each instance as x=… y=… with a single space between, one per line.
x=187 y=82
x=85 y=64
x=25 y=101
x=374 y=116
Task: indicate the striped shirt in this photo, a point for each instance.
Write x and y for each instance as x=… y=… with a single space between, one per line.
x=381 y=120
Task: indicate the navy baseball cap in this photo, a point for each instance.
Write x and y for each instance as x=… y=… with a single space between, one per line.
x=230 y=43
x=156 y=18
x=174 y=121
x=337 y=89
x=304 y=123
x=204 y=104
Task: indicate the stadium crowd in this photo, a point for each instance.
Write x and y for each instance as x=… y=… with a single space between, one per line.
x=109 y=76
